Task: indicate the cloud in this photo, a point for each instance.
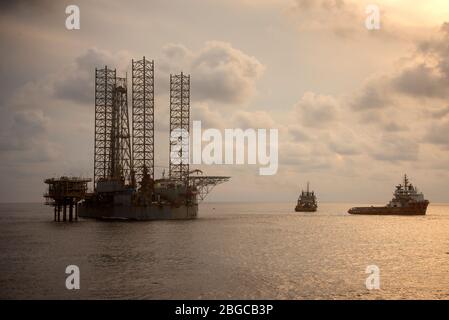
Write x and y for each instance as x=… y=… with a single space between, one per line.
x=399 y=101
x=76 y=82
x=438 y=113
x=209 y=117
x=298 y=134
x=427 y=75
x=393 y=126
x=438 y=134
x=305 y=157
x=394 y=147
x=316 y=110
x=20 y=6
x=345 y=20
x=25 y=139
x=253 y=119
x=422 y=80
x=345 y=142
x=388 y=119
x=373 y=95
x=336 y=16
x=219 y=72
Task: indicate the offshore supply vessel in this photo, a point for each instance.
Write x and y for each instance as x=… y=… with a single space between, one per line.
x=406 y=201
x=124 y=182
x=307 y=201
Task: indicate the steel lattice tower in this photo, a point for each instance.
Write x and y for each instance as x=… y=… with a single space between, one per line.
x=121 y=151
x=179 y=121
x=112 y=159
x=143 y=117
x=104 y=100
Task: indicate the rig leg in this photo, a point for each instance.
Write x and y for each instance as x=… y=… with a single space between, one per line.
x=64 y=215
x=59 y=213
x=71 y=212
x=76 y=211
x=55 y=213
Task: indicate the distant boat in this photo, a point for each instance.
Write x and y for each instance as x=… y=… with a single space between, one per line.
x=407 y=201
x=306 y=201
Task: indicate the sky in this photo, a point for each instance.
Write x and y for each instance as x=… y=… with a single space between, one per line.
x=355 y=108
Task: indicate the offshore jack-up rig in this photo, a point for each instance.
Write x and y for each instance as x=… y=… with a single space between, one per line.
x=124 y=182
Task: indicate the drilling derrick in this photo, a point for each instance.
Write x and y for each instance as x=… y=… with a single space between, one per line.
x=104 y=101
x=179 y=168
x=112 y=159
x=143 y=119
x=179 y=126
x=122 y=161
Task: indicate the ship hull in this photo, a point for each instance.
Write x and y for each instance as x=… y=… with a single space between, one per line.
x=139 y=213
x=304 y=209
x=416 y=209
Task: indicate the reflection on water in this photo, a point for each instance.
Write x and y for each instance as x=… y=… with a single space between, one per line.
x=238 y=251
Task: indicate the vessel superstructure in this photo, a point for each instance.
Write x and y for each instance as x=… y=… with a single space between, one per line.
x=307 y=201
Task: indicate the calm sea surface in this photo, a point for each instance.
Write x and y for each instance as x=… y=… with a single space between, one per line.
x=233 y=251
